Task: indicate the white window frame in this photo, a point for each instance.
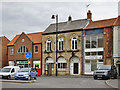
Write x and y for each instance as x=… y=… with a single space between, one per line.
x=74 y=43
x=60 y=44
x=35 y=49
x=11 y=51
x=22 y=49
x=48 y=41
x=61 y=64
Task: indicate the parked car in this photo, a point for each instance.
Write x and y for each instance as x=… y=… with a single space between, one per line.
x=9 y=71
x=105 y=72
x=26 y=73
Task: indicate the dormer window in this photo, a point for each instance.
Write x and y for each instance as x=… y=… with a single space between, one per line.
x=74 y=43
x=22 y=49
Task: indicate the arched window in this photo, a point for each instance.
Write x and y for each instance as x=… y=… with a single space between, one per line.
x=48 y=45
x=62 y=64
x=22 y=49
x=74 y=43
x=60 y=44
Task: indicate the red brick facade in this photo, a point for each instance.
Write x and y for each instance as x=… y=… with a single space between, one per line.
x=3 y=51
x=29 y=43
x=108 y=45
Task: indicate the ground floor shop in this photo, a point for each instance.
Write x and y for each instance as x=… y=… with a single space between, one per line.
x=65 y=66
x=25 y=63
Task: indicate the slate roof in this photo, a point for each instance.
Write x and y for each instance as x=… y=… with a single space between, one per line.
x=34 y=37
x=67 y=26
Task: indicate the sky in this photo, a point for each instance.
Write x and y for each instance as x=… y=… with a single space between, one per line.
x=35 y=16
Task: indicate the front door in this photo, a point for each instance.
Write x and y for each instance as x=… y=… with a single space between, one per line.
x=75 y=68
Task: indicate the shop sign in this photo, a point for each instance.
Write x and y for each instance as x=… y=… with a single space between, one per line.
x=22 y=62
x=93 y=57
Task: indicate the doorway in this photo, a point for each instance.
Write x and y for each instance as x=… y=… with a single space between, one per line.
x=76 y=68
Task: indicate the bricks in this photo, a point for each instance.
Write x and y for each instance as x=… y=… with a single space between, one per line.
x=3 y=51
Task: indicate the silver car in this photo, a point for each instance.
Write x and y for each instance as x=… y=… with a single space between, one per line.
x=105 y=72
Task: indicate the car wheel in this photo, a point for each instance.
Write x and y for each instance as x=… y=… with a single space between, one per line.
x=95 y=77
x=9 y=77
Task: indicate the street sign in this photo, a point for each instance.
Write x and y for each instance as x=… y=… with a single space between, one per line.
x=28 y=54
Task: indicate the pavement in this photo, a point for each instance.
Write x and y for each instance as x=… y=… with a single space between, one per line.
x=113 y=83
x=17 y=81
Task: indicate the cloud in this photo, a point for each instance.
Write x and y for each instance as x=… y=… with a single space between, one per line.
x=36 y=16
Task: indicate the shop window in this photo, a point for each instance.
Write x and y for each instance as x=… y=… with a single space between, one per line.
x=93 y=65
x=93 y=42
x=22 y=49
x=87 y=53
x=36 y=49
x=48 y=45
x=60 y=42
x=100 y=60
x=11 y=51
x=100 y=53
x=87 y=61
x=93 y=53
x=100 y=41
x=87 y=41
x=62 y=65
x=74 y=43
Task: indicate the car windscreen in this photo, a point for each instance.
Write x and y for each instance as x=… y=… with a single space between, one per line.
x=104 y=67
x=5 y=70
x=24 y=70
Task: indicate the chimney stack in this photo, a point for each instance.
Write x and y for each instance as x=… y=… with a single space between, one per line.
x=89 y=15
x=69 y=18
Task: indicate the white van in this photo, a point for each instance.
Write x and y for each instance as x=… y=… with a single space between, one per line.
x=9 y=71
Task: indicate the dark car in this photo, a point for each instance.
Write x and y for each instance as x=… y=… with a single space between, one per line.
x=105 y=72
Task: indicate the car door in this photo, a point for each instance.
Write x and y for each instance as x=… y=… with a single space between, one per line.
x=12 y=72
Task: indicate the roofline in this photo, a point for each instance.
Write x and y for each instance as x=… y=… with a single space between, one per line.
x=62 y=31
x=98 y=28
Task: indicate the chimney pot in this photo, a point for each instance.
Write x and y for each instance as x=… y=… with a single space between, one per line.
x=69 y=18
x=89 y=15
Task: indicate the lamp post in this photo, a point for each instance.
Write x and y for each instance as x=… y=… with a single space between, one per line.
x=56 y=17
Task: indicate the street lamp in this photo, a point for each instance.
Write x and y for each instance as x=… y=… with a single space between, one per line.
x=56 y=17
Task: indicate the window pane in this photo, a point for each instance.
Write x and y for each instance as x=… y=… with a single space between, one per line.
x=93 y=42
x=100 y=53
x=75 y=44
x=64 y=65
x=100 y=42
x=93 y=65
x=36 y=48
x=24 y=48
x=93 y=53
x=87 y=53
x=87 y=45
x=21 y=49
x=72 y=44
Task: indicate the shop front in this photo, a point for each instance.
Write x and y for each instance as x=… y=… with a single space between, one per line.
x=22 y=64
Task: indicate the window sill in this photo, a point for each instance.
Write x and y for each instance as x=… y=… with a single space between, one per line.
x=47 y=51
x=61 y=69
x=73 y=50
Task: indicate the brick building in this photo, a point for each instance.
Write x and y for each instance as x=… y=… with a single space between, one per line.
x=25 y=43
x=69 y=50
x=3 y=51
x=98 y=46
